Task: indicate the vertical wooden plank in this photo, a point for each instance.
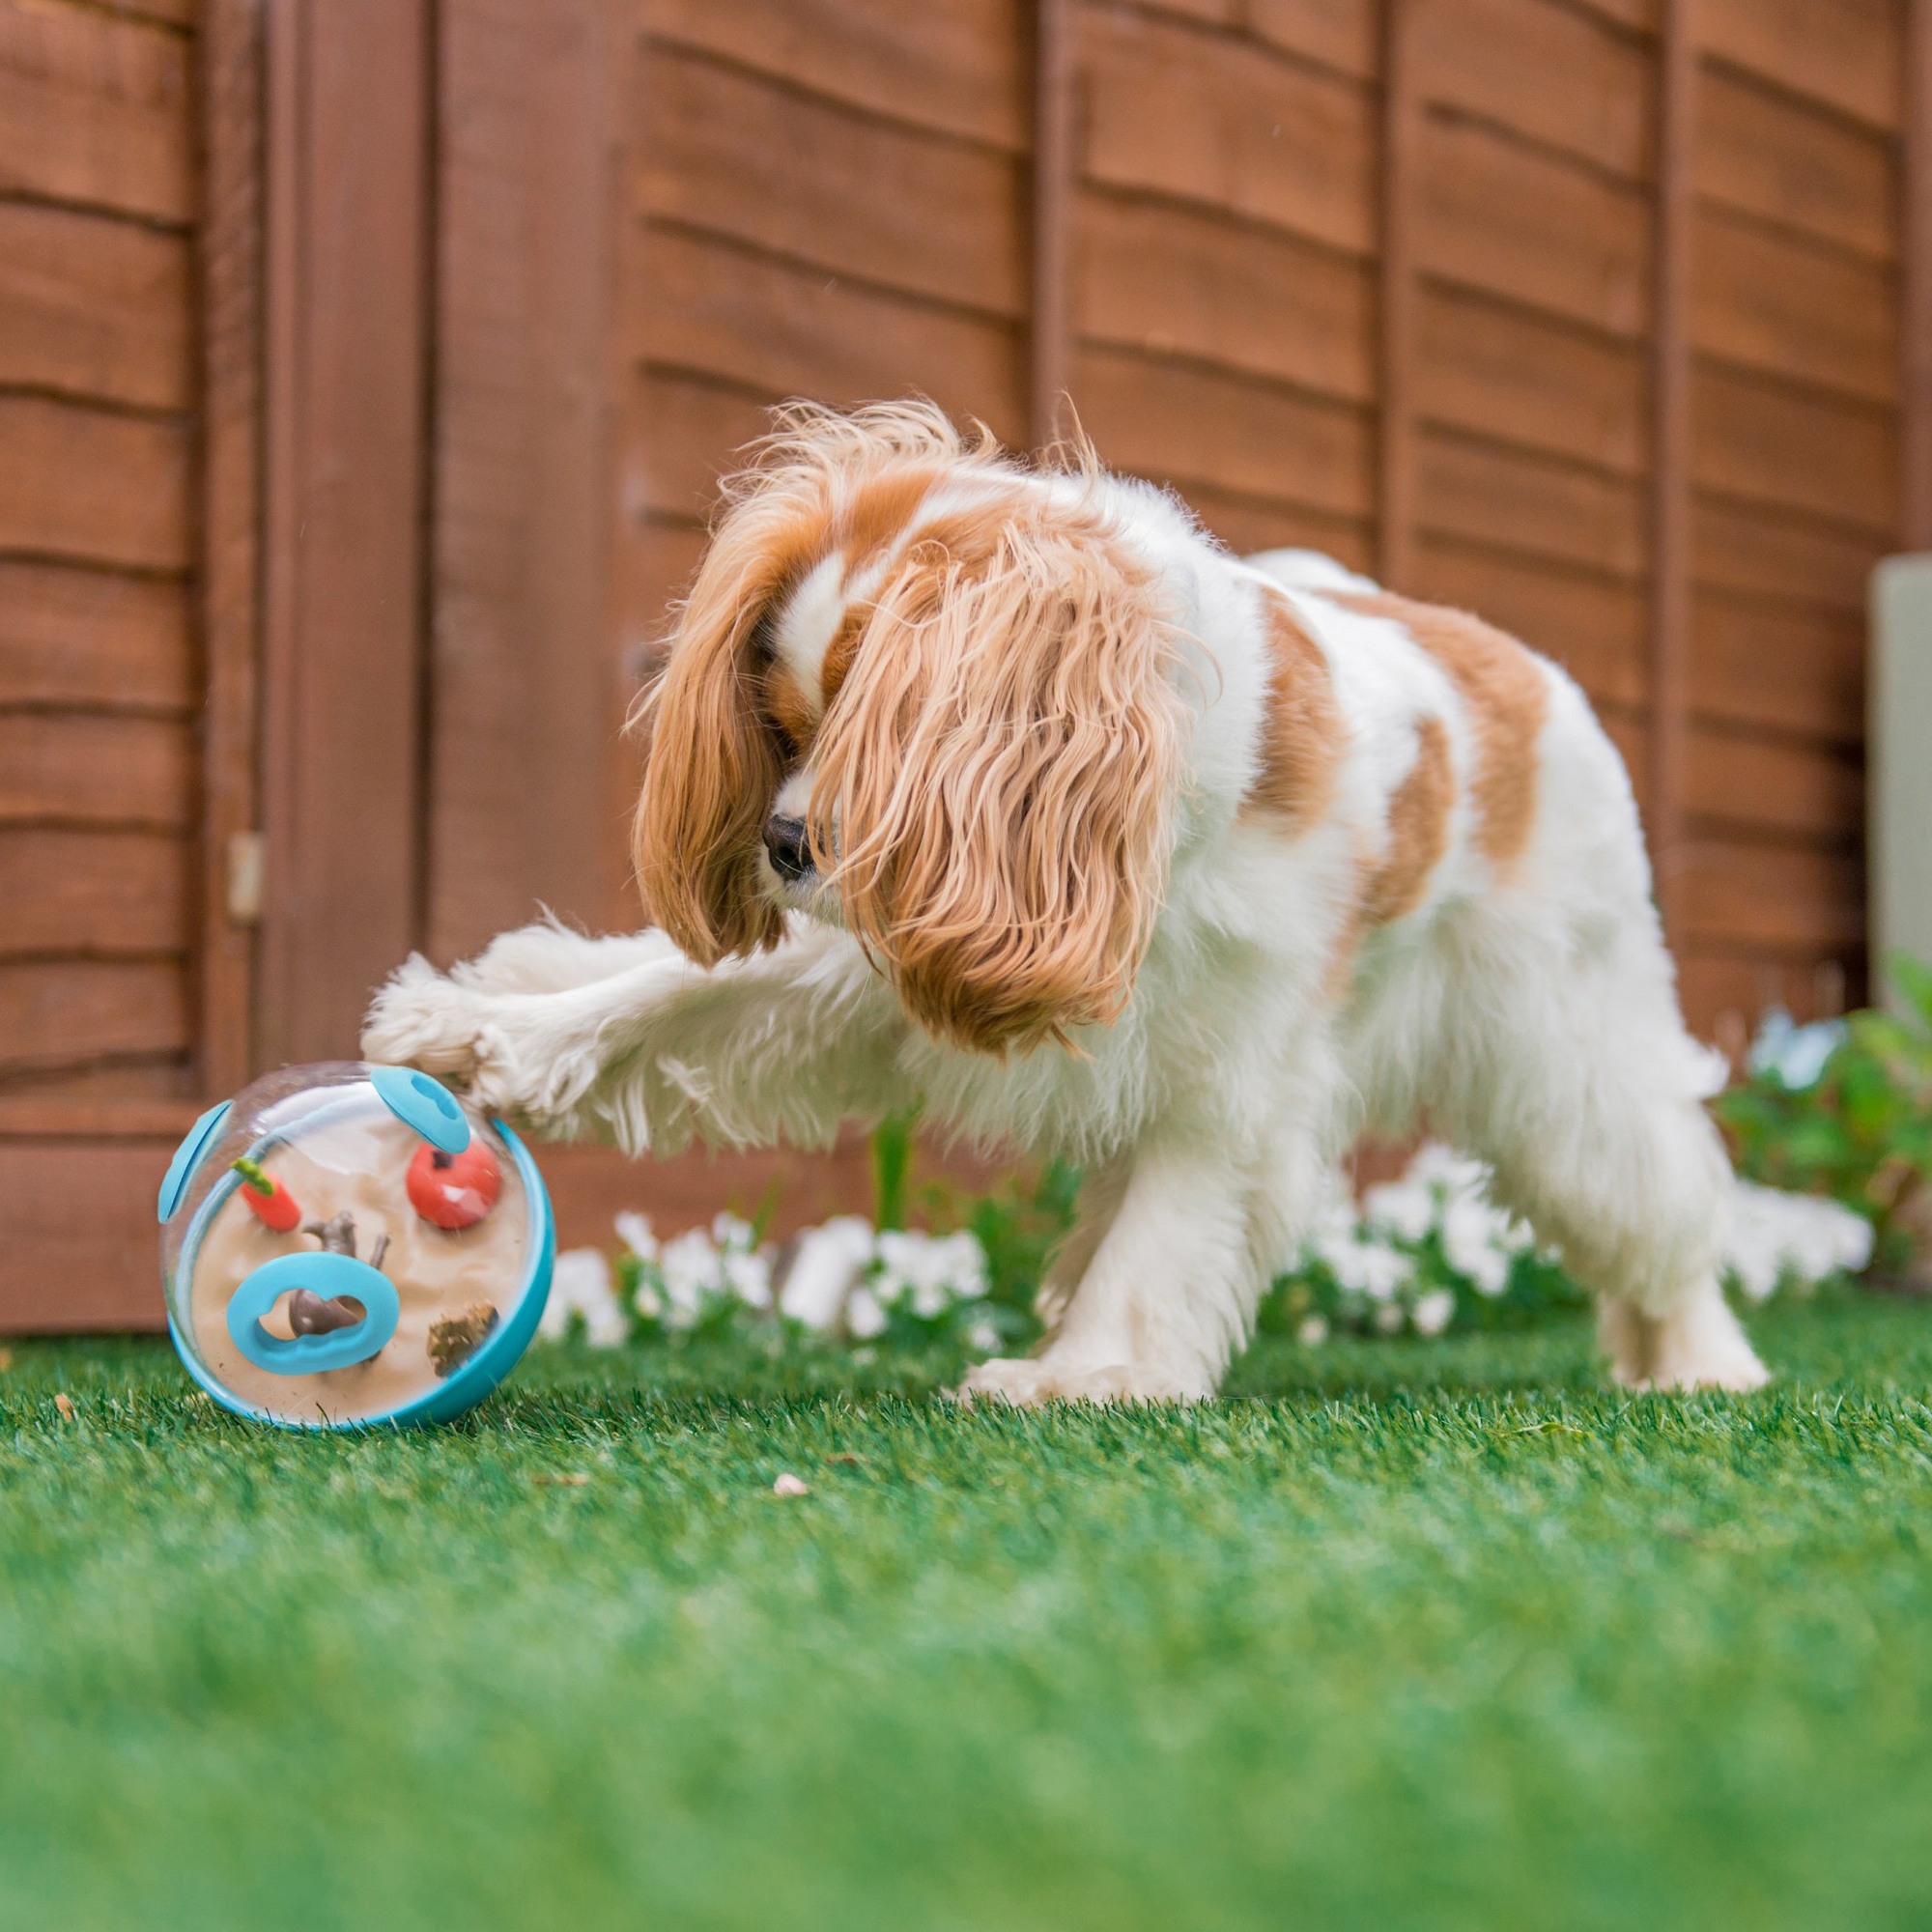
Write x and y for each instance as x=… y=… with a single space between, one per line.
x=1670 y=446
x=1053 y=190
x=1401 y=134
x=1916 y=257
x=522 y=725
x=230 y=352
x=347 y=204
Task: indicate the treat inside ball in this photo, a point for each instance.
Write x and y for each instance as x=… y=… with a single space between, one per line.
x=347 y=1244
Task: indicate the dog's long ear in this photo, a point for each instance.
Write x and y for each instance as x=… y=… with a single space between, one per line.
x=998 y=770
x=695 y=838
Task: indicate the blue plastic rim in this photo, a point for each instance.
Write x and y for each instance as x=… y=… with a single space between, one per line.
x=195 y=1144
x=327 y=1275
x=501 y=1349
x=421 y=1101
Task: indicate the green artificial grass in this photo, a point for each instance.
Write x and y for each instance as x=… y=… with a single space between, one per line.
x=1438 y=1634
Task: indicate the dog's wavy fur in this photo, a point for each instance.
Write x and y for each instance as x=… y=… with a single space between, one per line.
x=1097 y=840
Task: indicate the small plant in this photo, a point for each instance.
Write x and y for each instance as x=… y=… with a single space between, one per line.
x=1857 y=1128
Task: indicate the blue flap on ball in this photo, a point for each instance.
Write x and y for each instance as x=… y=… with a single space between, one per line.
x=195 y=1143
x=329 y=1276
x=420 y=1101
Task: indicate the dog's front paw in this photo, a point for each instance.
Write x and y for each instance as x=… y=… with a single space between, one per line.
x=1028 y=1383
x=421 y=1019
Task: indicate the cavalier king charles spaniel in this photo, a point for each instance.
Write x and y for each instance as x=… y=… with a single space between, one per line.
x=1003 y=793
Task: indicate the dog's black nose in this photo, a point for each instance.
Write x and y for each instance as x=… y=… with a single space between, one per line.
x=789 y=848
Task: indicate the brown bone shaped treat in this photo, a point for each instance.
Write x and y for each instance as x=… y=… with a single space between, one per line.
x=311 y=1314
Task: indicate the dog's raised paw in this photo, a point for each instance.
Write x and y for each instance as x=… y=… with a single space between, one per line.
x=421 y=1019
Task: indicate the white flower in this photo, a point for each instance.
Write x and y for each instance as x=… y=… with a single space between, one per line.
x=1389 y=1318
x=1368 y=1267
x=1404 y=1208
x=933 y=1270
x=983 y=1337
x=1313 y=1332
x=1433 y=1312
x=827 y=1262
x=864 y=1316
x=1774 y=1233
x=581 y=1283
x=1473 y=1237
x=733 y=1234
x=634 y=1229
x=748 y=1277
x=693 y=1272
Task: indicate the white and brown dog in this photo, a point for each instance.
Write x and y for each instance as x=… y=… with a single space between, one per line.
x=1007 y=794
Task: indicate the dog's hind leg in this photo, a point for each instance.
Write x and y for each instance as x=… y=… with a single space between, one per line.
x=1568 y=1069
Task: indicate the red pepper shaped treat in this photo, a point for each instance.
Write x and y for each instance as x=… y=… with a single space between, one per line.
x=274 y=1207
x=454 y=1190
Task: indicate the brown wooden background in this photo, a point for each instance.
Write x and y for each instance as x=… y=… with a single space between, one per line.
x=365 y=366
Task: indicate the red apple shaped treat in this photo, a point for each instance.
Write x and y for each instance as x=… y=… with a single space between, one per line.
x=454 y=1190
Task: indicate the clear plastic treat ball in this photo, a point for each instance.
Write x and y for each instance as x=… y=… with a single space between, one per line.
x=345 y=1244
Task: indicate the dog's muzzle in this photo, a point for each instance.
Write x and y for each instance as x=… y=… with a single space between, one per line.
x=788 y=847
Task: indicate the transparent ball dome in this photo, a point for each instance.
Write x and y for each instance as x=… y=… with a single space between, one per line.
x=345 y=1244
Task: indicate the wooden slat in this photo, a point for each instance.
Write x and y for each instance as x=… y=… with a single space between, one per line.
x=799 y=332
x=522 y=664
x=1846 y=53
x=1543 y=69
x=1914 y=489
x=1593 y=628
x=1517 y=223
x=1769 y=302
x=1510 y=499
x=952 y=65
x=94 y=770
x=1732 y=990
x=1051 y=190
x=1221 y=121
x=83 y=484
x=101 y=892
x=80 y=636
x=94 y=110
x=748 y=157
x=1770 y=898
x=81 y=1010
x=93 y=307
x=1397 y=334
x=1798 y=791
x=690 y=433
x=1172 y=281
x=130 y=1101
x=1794 y=668
x=345 y=491
x=1499 y=373
x=1673 y=244
x=1341 y=33
x=1246 y=525
x=1758 y=442
x=232 y=342
x=77 y=1237
x=1185 y=426
x=1744 y=547
x=1764 y=154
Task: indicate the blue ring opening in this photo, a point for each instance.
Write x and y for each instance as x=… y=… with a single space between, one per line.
x=421 y=1101
x=327 y=1275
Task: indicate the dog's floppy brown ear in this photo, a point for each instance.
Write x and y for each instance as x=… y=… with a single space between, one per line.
x=998 y=765
x=713 y=759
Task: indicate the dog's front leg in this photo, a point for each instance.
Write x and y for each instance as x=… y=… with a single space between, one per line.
x=785 y=1045
x=1164 y=1298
